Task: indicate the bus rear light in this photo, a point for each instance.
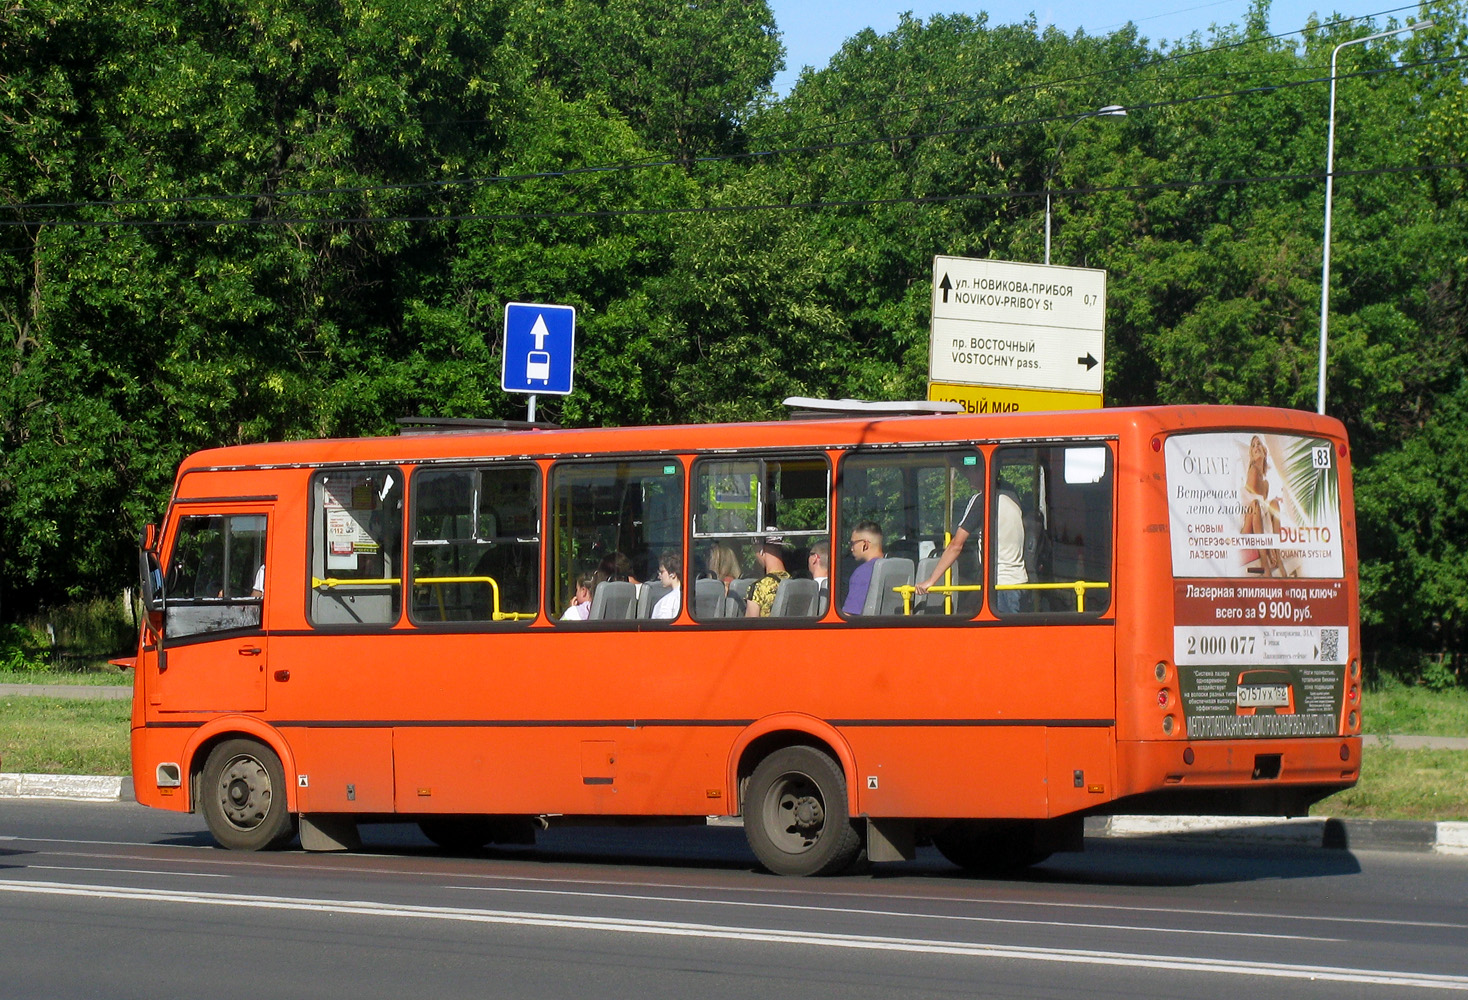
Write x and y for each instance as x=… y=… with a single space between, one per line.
x=1355 y=693
x=168 y=775
x=1156 y=444
x=1162 y=698
x=1168 y=725
x=1345 y=751
x=1355 y=670
x=1353 y=721
x=1188 y=756
x=1160 y=671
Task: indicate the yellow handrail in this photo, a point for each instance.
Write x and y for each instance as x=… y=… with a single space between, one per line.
x=496 y=614
x=317 y=583
x=1079 y=586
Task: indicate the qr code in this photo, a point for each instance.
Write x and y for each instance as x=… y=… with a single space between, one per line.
x=1330 y=645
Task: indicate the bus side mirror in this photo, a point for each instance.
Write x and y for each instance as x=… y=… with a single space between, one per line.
x=151 y=581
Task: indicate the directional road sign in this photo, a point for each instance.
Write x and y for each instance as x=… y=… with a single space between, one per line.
x=1018 y=326
x=540 y=343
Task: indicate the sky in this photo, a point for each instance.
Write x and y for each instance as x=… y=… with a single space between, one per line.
x=813 y=30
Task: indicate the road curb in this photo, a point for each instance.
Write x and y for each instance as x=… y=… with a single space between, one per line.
x=72 y=787
x=1312 y=831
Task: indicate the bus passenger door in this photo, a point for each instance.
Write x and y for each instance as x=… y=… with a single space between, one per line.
x=214 y=640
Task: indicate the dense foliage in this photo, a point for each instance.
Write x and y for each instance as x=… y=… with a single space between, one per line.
x=233 y=220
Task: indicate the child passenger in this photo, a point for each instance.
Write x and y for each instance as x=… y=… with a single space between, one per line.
x=580 y=608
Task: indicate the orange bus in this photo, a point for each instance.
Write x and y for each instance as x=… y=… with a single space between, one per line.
x=859 y=633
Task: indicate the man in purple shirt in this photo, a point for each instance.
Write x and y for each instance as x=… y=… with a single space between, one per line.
x=866 y=546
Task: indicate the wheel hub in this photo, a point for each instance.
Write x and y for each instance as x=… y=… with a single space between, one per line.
x=245 y=792
x=807 y=812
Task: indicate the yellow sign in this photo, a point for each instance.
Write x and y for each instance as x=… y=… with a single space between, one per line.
x=999 y=399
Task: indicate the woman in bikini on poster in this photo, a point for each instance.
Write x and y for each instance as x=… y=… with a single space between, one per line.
x=1261 y=516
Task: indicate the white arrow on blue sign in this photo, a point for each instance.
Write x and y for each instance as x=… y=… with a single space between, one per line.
x=540 y=342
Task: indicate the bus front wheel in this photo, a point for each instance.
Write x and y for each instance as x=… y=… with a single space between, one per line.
x=242 y=794
x=795 y=814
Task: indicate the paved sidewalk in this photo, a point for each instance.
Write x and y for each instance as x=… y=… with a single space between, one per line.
x=83 y=692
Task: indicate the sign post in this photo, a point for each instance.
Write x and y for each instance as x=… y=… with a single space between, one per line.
x=540 y=343
x=1008 y=337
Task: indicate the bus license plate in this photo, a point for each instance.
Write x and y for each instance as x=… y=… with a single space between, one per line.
x=1263 y=695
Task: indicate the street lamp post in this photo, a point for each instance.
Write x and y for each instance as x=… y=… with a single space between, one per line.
x=1329 y=190
x=1109 y=111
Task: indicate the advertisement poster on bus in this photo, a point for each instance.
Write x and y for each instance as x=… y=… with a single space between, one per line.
x=1261 y=612
x=350 y=505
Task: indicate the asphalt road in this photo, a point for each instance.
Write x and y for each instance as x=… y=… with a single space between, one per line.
x=113 y=900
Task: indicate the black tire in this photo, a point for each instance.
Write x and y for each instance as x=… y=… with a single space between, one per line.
x=991 y=847
x=795 y=814
x=242 y=794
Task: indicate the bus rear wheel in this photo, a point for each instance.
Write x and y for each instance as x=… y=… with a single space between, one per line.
x=242 y=796
x=991 y=847
x=795 y=814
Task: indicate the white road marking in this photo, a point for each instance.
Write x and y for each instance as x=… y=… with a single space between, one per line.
x=910 y=914
x=752 y=934
x=124 y=871
x=347 y=868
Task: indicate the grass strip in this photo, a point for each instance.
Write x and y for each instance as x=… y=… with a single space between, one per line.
x=1398 y=710
x=64 y=736
x=1404 y=784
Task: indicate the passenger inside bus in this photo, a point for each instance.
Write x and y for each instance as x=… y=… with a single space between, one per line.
x=670 y=603
x=1009 y=551
x=769 y=555
x=969 y=523
x=866 y=547
x=580 y=607
x=819 y=562
x=722 y=564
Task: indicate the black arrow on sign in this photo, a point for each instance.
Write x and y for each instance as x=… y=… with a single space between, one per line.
x=945 y=284
x=1088 y=361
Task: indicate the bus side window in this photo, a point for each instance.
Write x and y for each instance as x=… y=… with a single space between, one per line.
x=212 y=572
x=1050 y=519
x=356 y=545
x=610 y=523
x=741 y=506
x=476 y=544
x=921 y=500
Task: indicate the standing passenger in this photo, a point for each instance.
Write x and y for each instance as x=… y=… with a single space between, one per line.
x=968 y=525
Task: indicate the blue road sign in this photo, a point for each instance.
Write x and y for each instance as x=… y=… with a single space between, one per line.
x=540 y=342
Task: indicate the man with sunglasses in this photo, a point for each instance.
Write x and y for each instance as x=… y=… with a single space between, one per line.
x=866 y=546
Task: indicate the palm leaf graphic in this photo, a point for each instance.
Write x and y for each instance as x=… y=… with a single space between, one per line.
x=1316 y=488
